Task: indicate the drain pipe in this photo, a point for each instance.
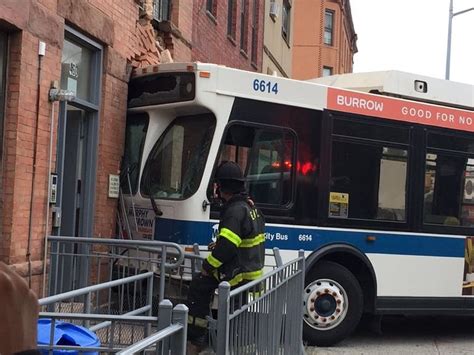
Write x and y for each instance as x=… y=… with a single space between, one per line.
x=41 y=53
x=55 y=94
x=46 y=233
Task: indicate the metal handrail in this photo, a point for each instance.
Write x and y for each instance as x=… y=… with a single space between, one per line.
x=153 y=246
x=86 y=290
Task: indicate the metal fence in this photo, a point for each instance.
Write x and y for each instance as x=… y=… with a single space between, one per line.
x=171 y=334
x=116 y=288
x=100 y=309
x=264 y=316
x=79 y=262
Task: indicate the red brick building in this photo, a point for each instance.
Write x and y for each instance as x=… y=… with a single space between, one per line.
x=52 y=49
x=216 y=31
x=324 y=38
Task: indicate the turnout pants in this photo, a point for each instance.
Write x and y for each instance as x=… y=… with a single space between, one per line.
x=201 y=292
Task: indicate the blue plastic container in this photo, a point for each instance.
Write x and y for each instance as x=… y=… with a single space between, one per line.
x=66 y=334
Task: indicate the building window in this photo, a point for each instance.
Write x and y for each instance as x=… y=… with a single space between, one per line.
x=286 y=18
x=211 y=7
x=161 y=10
x=328 y=27
x=243 y=26
x=327 y=71
x=231 y=18
x=255 y=32
x=76 y=69
x=3 y=66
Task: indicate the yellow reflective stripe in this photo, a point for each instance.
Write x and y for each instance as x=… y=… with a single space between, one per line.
x=237 y=279
x=248 y=243
x=230 y=236
x=249 y=276
x=253 y=275
x=215 y=263
x=198 y=322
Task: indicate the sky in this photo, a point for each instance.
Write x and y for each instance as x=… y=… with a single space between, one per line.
x=411 y=36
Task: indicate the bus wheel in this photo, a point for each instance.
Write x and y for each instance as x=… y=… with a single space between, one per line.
x=333 y=304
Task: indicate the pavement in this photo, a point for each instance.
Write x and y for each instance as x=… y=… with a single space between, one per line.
x=405 y=335
x=408 y=335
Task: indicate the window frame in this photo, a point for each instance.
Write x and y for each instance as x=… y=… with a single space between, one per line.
x=450 y=134
x=4 y=45
x=286 y=25
x=330 y=69
x=92 y=106
x=232 y=19
x=211 y=9
x=255 y=28
x=326 y=172
x=329 y=28
x=244 y=32
x=270 y=209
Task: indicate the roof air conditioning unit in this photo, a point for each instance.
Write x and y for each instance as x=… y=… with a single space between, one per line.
x=274 y=10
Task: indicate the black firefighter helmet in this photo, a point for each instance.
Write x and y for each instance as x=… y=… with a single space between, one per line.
x=230 y=178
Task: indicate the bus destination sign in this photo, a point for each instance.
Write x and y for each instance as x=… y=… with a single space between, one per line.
x=399 y=109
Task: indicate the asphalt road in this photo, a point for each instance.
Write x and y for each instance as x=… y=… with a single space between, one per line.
x=409 y=335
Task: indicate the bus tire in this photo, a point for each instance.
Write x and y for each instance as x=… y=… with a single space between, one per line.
x=333 y=304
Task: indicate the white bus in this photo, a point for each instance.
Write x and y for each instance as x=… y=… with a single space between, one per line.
x=374 y=183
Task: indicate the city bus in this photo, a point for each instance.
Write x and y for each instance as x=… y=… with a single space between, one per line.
x=370 y=174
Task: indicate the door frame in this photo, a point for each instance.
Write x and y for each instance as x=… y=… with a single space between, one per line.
x=92 y=108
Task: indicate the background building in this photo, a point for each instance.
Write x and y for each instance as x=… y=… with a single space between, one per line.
x=215 y=31
x=278 y=37
x=324 y=39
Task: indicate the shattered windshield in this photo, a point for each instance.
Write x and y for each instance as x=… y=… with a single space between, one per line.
x=175 y=165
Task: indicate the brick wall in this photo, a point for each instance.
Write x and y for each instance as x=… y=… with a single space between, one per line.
x=210 y=40
x=310 y=54
x=27 y=130
x=194 y=36
x=112 y=23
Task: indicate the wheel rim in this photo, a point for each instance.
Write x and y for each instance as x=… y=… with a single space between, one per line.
x=325 y=304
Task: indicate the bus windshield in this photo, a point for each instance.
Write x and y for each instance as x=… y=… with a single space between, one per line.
x=175 y=165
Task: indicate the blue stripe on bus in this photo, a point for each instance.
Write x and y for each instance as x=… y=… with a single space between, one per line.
x=189 y=232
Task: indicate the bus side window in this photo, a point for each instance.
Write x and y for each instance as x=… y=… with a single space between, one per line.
x=449 y=178
x=368 y=176
x=448 y=198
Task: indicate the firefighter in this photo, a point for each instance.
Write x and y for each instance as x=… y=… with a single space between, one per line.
x=237 y=256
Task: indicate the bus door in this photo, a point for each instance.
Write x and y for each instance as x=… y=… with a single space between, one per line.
x=266 y=155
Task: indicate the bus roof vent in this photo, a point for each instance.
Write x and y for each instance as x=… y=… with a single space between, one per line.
x=405 y=85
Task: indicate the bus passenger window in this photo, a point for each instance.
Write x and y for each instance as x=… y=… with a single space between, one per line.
x=449 y=196
x=368 y=182
x=266 y=155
